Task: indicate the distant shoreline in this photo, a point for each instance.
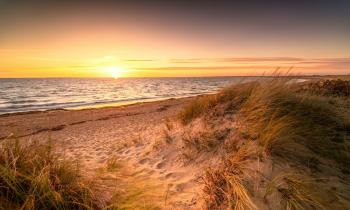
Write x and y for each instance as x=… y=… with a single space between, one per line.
x=247 y=76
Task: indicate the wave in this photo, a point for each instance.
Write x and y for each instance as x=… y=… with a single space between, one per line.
x=45 y=94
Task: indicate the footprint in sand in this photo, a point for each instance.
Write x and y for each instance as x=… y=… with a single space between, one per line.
x=87 y=156
x=160 y=165
x=70 y=147
x=136 y=153
x=144 y=172
x=103 y=160
x=100 y=153
x=121 y=153
x=143 y=161
x=150 y=172
x=181 y=187
x=173 y=175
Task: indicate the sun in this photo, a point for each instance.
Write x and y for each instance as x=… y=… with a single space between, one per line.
x=115 y=71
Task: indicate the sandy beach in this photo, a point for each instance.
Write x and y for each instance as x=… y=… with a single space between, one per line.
x=126 y=134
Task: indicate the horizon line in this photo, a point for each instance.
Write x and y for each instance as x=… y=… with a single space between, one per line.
x=301 y=75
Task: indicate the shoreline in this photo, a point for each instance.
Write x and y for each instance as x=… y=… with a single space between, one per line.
x=24 y=124
x=105 y=105
x=129 y=103
x=99 y=106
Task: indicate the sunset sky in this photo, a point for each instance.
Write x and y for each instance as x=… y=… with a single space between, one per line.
x=163 y=39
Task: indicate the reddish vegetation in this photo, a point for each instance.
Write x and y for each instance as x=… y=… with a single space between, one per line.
x=329 y=87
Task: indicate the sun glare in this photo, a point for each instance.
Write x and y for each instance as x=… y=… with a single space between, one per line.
x=115 y=71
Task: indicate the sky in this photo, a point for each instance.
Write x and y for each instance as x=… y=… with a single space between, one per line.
x=173 y=38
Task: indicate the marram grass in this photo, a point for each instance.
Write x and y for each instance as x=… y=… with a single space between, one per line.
x=32 y=176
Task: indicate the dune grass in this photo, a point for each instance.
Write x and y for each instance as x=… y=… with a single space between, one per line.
x=224 y=186
x=274 y=113
x=279 y=118
x=297 y=191
x=113 y=164
x=197 y=107
x=286 y=124
x=226 y=191
x=32 y=176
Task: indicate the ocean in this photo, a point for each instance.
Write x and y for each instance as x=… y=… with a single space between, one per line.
x=22 y=95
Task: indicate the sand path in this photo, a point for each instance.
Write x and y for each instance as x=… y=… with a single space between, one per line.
x=124 y=135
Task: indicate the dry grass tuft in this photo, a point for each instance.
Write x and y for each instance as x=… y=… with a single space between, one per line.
x=297 y=191
x=113 y=164
x=201 y=141
x=226 y=191
x=32 y=176
x=197 y=107
x=224 y=186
